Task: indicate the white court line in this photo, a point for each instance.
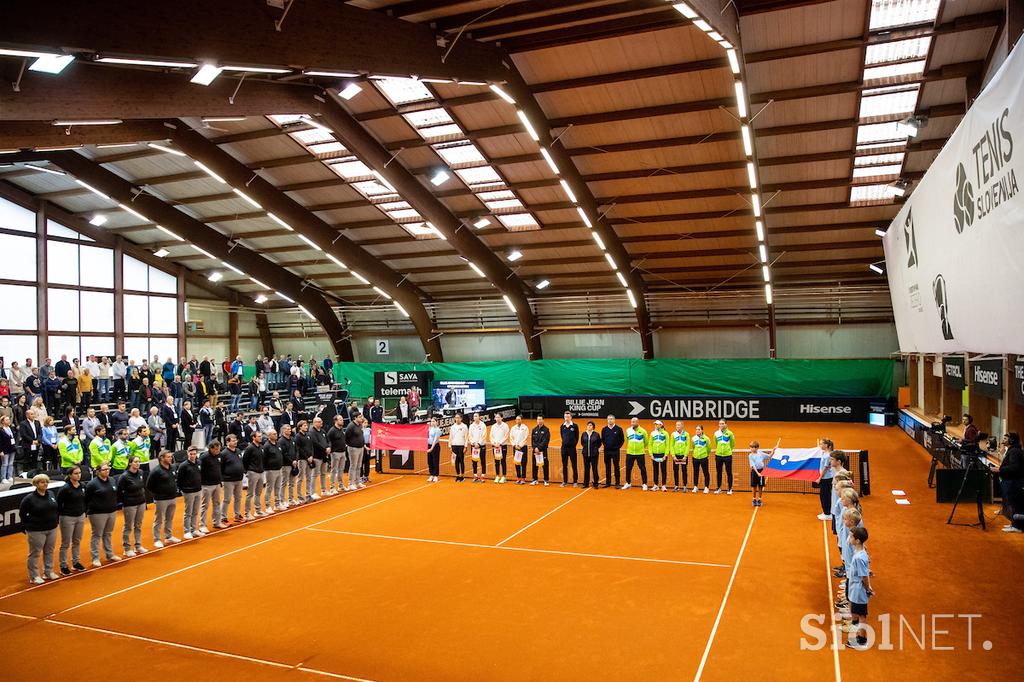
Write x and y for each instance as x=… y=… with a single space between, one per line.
x=725 y=597
x=831 y=604
x=519 y=549
x=213 y=531
x=540 y=519
x=202 y=650
x=236 y=551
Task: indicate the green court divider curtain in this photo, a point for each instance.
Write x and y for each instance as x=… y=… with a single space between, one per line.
x=507 y=380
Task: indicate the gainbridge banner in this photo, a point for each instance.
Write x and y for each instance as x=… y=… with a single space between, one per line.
x=955 y=253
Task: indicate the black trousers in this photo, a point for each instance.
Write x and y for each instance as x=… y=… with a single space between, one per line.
x=434 y=459
x=459 y=453
x=482 y=461
x=825 y=495
x=521 y=466
x=501 y=464
x=590 y=465
x=569 y=457
x=700 y=465
x=120 y=390
x=611 y=466
x=638 y=460
x=679 y=471
x=546 y=466
x=660 y=468
x=723 y=463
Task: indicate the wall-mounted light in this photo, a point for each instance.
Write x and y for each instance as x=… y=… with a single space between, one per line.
x=206 y=74
x=543 y=284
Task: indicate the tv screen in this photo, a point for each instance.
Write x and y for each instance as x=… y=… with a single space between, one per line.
x=459 y=396
x=876 y=419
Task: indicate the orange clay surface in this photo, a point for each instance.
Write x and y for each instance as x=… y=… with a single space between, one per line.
x=409 y=580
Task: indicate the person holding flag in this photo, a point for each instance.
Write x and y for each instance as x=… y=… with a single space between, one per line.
x=725 y=441
x=801 y=464
x=477 y=444
x=701 y=450
x=637 y=446
x=757 y=461
x=659 y=454
x=499 y=445
x=680 y=446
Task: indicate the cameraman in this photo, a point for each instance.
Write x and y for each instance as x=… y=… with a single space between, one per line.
x=971 y=432
x=1011 y=479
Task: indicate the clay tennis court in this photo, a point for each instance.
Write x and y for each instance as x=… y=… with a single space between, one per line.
x=412 y=580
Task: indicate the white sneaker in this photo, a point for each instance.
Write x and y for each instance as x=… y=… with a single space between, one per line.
x=129 y=554
x=694 y=489
x=534 y=482
x=96 y=563
x=705 y=491
x=823 y=517
x=1011 y=529
x=502 y=480
x=53 y=576
x=114 y=557
x=314 y=496
x=644 y=487
x=718 y=491
x=38 y=580
x=729 y=492
x=352 y=488
x=173 y=540
x=249 y=517
x=158 y=545
x=664 y=488
x=141 y=550
x=625 y=486
x=545 y=484
x=203 y=530
x=188 y=536
x=497 y=479
x=363 y=485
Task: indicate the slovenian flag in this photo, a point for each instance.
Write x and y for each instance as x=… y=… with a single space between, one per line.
x=798 y=463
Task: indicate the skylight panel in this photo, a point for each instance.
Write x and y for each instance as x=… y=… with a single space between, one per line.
x=285 y=119
x=496 y=196
x=895 y=146
x=878 y=132
x=484 y=175
x=874 y=73
x=393 y=205
x=335 y=148
x=404 y=214
x=460 y=153
x=889 y=13
x=876 y=171
x=878 y=159
x=427 y=117
x=897 y=51
x=403 y=90
x=875 y=194
x=503 y=204
x=371 y=188
x=902 y=102
x=438 y=132
x=312 y=136
x=350 y=169
x=518 y=221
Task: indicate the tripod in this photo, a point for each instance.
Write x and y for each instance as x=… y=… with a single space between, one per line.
x=971 y=465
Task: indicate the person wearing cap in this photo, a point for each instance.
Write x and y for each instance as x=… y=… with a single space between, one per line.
x=680 y=446
x=638 y=444
x=725 y=441
x=659 y=454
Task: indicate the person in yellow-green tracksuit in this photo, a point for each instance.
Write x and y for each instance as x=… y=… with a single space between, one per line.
x=119 y=452
x=659 y=454
x=99 y=448
x=638 y=444
x=680 y=446
x=140 y=446
x=701 y=450
x=70 y=449
x=725 y=441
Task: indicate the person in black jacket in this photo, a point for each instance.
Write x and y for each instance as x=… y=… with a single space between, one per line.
x=237 y=428
x=570 y=433
x=252 y=459
x=211 y=477
x=101 y=508
x=71 y=510
x=590 y=442
x=612 y=438
x=131 y=493
x=307 y=465
x=336 y=442
x=1011 y=480
x=38 y=512
x=190 y=483
x=169 y=413
x=232 y=471
x=289 y=465
x=376 y=416
x=163 y=485
x=540 y=437
x=354 y=445
x=30 y=438
x=188 y=422
x=8 y=448
x=273 y=458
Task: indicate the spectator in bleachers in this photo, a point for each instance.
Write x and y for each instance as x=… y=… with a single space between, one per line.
x=68 y=391
x=119 y=418
x=134 y=384
x=188 y=422
x=85 y=386
x=118 y=374
x=103 y=379
x=51 y=391
x=170 y=416
x=33 y=385
x=89 y=424
x=157 y=430
x=62 y=367
x=135 y=421
x=168 y=371
x=17 y=376
x=20 y=407
x=206 y=422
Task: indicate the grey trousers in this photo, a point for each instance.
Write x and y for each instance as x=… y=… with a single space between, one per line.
x=305 y=480
x=71 y=530
x=192 y=511
x=41 y=542
x=211 y=501
x=288 y=484
x=164 y=516
x=132 y=523
x=253 y=500
x=102 y=526
x=320 y=473
x=337 y=469
x=355 y=464
x=273 y=488
x=232 y=493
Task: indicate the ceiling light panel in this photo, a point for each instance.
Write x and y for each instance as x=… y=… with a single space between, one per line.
x=483 y=175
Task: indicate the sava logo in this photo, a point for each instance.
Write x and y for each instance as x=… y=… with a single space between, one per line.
x=911 y=237
x=810 y=408
x=392 y=378
x=992 y=181
x=942 y=304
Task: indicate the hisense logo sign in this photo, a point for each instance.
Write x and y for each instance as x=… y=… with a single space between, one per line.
x=985 y=376
x=985 y=181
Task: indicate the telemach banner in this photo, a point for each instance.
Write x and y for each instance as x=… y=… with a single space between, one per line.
x=954 y=369
x=953 y=254
x=987 y=377
x=710 y=408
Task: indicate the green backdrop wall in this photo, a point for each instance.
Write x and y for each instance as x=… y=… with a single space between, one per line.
x=513 y=378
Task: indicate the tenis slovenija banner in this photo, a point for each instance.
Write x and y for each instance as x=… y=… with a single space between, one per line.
x=399 y=436
x=955 y=252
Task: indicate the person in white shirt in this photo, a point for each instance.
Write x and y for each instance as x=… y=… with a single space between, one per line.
x=457 y=435
x=518 y=437
x=265 y=422
x=499 y=446
x=118 y=371
x=477 y=445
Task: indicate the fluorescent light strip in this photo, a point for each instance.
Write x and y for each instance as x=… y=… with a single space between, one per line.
x=755 y=200
x=206 y=74
x=759 y=226
x=42 y=169
x=529 y=126
x=879 y=233
x=502 y=94
x=741 y=101
x=255 y=69
x=203 y=251
x=508 y=302
x=147 y=62
x=284 y=297
x=337 y=262
x=258 y=283
x=751 y=175
x=359 y=277
x=88 y=122
x=400 y=308
x=768 y=293
x=748 y=144
x=715 y=36
x=565 y=186
x=330 y=74
x=622 y=278
x=551 y=162
x=734 y=62
x=764 y=272
x=93 y=190
x=52 y=63
x=133 y=212
x=611 y=261
x=702 y=25
x=261 y=299
x=98 y=220
x=481 y=223
x=763 y=252
x=215 y=276
x=597 y=238
x=310 y=242
x=349 y=91
x=685 y=10
x=476 y=269
x=307 y=313
x=632 y=298
x=164 y=229
x=245 y=196
x=231 y=267
x=583 y=217
x=543 y=284
x=209 y=172
x=163 y=148
x=382 y=293
x=877 y=269
x=280 y=222
x=514 y=255
x=9 y=52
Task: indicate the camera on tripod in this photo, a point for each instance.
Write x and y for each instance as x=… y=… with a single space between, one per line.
x=939 y=427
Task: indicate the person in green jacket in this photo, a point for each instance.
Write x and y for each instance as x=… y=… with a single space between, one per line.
x=701 y=450
x=659 y=454
x=70 y=449
x=119 y=452
x=725 y=441
x=638 y=444
x=680 y=446
x=99 y=448
x=140 y=445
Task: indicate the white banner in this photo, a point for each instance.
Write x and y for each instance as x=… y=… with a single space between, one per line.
x=955 y=252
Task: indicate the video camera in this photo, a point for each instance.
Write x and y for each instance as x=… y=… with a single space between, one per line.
x=939 y=427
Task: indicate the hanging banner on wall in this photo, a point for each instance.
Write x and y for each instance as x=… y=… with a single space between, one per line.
x=398 y=384
x=953 y=370
x=987 y=377
x=1017 y=389
x=960 y=232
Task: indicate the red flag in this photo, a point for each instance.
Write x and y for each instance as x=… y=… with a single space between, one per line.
x=399 y=436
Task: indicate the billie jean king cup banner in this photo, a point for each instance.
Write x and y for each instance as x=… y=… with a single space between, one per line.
x=955 y=252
